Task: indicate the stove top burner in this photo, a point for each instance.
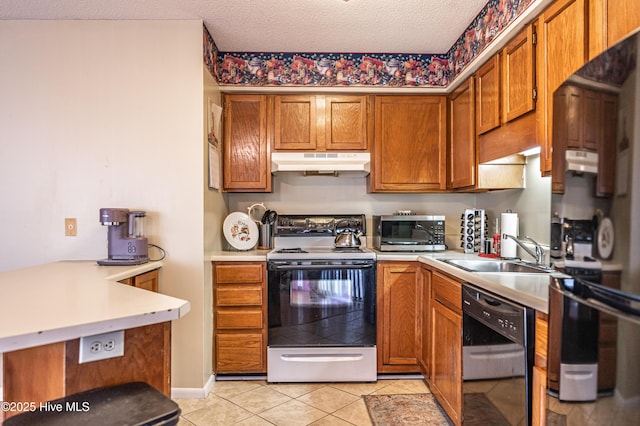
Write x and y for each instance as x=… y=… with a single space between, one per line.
x=292 y=250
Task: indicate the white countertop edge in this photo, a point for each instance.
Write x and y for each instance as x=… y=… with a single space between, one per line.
x=30 y=340
x=134 y=270
x=237 y=256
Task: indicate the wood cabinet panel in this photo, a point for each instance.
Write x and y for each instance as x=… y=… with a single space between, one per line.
x=488 y=92
x=146 y=281
x=585 y=120
x=539 y=396
x=399 y=291
x=609 y=22
x=539 y=385
x=561 y=50
x=147 y=358
x=447 y=291
x=240 y=353
x=233 y=319
x=246 y=149
x=345 y=123
x=320 y=123
x=409 y=145
x=513 y=79
x=606 y=145
x=462 y=136
x=425 y=326
x=233 y=273
x=239 y=317
x=295 y=122
x=518 y=71
x=239 y=296
x=446 y=369
x=48 y=372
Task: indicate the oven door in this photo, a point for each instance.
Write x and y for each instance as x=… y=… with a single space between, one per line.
x=322 y=303
x=322 y=321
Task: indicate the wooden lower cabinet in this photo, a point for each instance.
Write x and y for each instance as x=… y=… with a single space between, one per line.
x=146 y=281
x=424 y=359
x=446 y=344
x=399 y=289
x=239 y=317
x=539 y=386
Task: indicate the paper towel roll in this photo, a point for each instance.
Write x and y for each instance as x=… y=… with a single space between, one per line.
x=508 y=225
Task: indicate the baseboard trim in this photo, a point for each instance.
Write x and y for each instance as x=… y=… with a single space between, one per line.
x=193 y=393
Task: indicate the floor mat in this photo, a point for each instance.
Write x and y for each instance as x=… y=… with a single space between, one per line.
x=411 y=409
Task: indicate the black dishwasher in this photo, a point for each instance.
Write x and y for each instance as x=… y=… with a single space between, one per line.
x=498 y=357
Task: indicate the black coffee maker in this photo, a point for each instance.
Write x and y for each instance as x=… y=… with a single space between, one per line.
x=572 y=238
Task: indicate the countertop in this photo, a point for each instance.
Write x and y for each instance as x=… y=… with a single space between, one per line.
x=530 y=290
x=65 y=300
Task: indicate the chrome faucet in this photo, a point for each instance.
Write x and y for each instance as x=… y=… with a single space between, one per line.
x=538 y=255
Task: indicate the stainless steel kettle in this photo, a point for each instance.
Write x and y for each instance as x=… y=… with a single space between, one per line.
x=348 y=239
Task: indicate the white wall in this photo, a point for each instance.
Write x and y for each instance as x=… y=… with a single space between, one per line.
x=106 y=114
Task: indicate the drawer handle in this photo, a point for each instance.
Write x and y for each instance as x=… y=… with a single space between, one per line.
x=321 y=358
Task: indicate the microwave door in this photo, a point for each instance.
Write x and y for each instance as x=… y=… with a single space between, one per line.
x=612 y=301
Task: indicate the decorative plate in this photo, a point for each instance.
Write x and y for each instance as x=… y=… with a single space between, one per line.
x=605 y=238
x=240 y=231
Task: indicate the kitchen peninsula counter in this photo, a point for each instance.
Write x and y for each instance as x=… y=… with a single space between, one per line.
x=46 y=309
x=64 y=300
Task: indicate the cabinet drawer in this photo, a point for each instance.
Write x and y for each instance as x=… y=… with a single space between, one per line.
x=239 y=296
x=447 y=291
x=230 y=319
x=240 y=353
x=238 y=274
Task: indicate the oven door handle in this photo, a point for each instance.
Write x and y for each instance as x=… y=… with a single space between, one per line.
x=319 y=267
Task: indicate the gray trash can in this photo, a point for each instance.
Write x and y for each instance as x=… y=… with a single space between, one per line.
x=134 y=403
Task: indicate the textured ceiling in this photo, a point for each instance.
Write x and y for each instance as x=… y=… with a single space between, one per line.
x=372 y=26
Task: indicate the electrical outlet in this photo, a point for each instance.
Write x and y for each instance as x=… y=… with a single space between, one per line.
x=101 y=346
x=70 y=226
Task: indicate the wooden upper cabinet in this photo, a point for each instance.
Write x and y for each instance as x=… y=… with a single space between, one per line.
x=246 y=166
x=319 y=123
x=295 y=122
x=610 y=21
x=345 y=123
x=561 y=50
x=518 y=70
x=488 y=96
x=462 y=136
x=409 y=144
x=605 y=181
x=584 y=120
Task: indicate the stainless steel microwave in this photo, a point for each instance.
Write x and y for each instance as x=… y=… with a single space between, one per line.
x=409 y=233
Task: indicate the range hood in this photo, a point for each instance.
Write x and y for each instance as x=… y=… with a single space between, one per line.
x=581 y=161
x=322 y=163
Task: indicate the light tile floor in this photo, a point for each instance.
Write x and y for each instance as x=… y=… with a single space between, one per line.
x=257 y=403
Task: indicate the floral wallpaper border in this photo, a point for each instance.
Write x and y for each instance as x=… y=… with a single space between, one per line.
x=358 y=69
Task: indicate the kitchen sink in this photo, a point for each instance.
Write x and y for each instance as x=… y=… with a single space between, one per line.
x=512 y=266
